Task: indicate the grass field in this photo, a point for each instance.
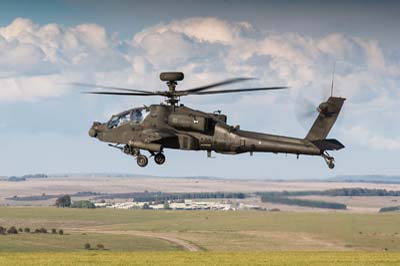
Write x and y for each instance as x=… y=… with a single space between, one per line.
x=138 y=237
x=76 y=242
x=208 y=230
x=202 y=258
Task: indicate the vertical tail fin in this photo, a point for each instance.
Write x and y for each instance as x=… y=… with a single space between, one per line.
x=328 y=113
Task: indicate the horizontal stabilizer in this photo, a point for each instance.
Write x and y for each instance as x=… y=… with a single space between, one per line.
x=328 y=144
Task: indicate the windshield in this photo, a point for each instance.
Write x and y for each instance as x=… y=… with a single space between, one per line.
x=135 y=116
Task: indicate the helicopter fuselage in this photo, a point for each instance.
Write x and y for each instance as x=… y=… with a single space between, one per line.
x=173 y=126
x=180 y=127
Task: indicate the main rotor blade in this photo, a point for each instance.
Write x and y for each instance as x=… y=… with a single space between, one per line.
x=237 y=90
x=123 y=93
x=108 y=87
x=213 y=85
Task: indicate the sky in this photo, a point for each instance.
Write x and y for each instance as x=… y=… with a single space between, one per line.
x=46 y=44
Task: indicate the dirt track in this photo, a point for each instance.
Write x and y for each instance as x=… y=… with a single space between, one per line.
x=182 y=243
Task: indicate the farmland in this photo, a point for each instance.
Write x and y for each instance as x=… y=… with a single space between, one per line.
x=295 y=235
x=140 y=237
x=208 y=230
x=202 y=258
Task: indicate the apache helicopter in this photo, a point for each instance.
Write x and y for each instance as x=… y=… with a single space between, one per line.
x=171 y=126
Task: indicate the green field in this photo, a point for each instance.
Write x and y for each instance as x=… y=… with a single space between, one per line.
x=209 y=230
x=220 y=238
x=76 y=242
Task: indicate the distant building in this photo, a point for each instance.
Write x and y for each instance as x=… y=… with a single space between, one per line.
x=185 y=205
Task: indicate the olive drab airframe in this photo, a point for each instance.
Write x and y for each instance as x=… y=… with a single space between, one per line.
x=172 y=125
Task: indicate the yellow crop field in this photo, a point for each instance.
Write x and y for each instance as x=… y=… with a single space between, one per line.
x=202 y=258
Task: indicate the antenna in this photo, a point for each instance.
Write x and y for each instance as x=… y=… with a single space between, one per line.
x=333 y=77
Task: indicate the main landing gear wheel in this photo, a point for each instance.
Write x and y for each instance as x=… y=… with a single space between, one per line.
x=142 y=160
x=159 y=158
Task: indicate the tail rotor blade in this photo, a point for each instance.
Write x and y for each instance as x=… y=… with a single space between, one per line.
x=306 y=111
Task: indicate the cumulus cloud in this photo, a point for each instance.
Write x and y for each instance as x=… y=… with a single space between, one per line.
x=364 y=137
x=336 y=44
x=374 y=54
x=34 y=59
x=29 y=87
x=210 y=30
x=206 y=48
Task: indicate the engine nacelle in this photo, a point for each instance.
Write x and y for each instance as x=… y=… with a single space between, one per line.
x=191 y=122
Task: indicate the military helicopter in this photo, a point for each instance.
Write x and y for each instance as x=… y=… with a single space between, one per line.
x=171 y=125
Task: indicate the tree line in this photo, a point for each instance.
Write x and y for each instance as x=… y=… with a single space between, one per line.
x=303 y=202
x=161 y=196
x=52 y=196
x=65 y=202
x=14 y=230
x=390 y=209
x=350 y=192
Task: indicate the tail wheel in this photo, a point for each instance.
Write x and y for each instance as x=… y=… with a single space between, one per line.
x=142 y=160
x=330 y=161
x=159 y=158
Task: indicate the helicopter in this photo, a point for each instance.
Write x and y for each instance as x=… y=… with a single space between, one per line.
x=171 y=125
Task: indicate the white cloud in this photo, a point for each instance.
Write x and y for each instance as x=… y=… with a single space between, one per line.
x=19 y=28
x=364 y=137
x=374 y=54
x=29 y=88
x=211 y=30
x=335 y=44
x=35 y=58
x=166 y=48
x=207 y=49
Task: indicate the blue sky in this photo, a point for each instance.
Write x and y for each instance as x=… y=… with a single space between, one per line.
x=43 y=125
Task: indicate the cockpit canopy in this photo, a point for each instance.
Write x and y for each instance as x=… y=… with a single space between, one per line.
x=135 y=116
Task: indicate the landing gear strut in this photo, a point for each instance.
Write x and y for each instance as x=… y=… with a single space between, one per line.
x=159 y=158
x=141 y=159
x=330 y=161
x=130 y=150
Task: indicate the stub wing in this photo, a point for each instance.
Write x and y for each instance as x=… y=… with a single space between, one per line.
x=157 y=135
